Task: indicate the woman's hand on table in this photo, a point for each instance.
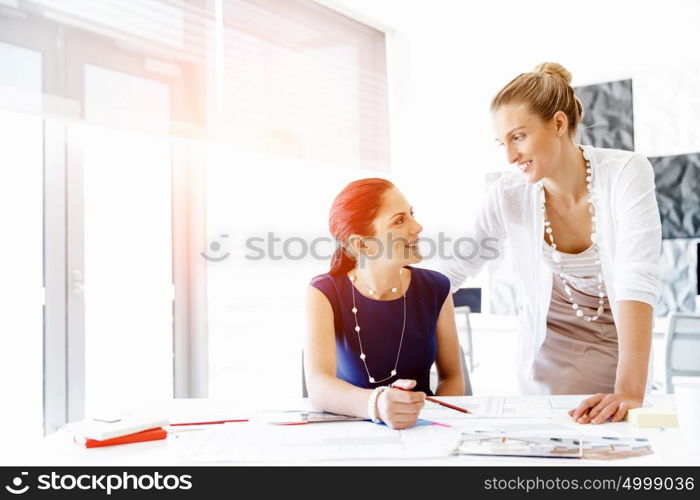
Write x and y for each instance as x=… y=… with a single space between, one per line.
x=601 y=407
x=398 y=406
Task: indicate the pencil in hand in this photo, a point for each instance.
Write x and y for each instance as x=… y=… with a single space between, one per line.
x=437 y=401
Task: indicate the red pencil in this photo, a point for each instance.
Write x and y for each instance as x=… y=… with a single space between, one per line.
x=447 y=405
x=212 y=422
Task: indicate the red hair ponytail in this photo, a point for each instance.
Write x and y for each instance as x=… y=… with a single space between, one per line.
x=353 y=212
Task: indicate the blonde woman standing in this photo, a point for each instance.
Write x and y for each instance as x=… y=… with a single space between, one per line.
x=586 y=233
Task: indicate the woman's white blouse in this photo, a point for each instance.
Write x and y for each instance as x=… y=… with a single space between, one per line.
x=628 y=224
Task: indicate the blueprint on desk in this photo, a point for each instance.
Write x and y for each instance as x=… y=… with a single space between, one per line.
x=259 y=442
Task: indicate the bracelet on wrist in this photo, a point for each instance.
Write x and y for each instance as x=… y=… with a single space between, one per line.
x=372 y=404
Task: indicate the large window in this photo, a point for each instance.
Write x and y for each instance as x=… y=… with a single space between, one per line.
x=304 y=112
x=21 y=296
x=21 y=252
x=304 y=82
x=126 y=211
x=147 y=137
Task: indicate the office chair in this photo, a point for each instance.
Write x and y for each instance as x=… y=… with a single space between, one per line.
x=304 y=392
x=467 y=301
x=682 y=347
x=467 y=381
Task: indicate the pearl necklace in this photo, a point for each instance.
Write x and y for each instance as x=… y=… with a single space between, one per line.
x=371 y=291
x=595 y=238
x=363 y=356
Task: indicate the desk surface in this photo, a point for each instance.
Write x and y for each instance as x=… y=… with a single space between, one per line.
x=59 y=449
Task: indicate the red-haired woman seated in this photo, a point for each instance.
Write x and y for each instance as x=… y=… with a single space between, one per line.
x=376 y=324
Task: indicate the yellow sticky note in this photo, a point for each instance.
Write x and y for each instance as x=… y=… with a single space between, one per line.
x=652 y=417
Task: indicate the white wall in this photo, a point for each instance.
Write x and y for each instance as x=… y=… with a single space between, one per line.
x=455 y=55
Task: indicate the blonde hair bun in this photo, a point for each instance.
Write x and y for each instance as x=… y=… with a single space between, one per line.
x=556 y=69
x=546 y=90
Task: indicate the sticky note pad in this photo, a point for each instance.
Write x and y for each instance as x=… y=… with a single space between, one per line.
x=652 y=417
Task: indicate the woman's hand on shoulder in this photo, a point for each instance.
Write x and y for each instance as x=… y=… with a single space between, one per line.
x=601 y=407
x=398 y=406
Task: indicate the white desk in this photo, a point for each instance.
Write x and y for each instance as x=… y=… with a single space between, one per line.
x=58 y=449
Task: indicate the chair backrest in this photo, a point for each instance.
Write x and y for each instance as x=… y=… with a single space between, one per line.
x=465 y=372
x=467 y=301
x=468 y=297
x=682 y=347
x=304 y=391
x=467 y=381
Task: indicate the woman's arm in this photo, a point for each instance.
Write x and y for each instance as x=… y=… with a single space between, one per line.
x=399 y=409
x=637 y=285
x=634 y=341
x=326 y=391
x=449 y=367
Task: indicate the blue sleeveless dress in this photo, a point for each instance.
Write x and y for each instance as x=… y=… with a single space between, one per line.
x=380 y=329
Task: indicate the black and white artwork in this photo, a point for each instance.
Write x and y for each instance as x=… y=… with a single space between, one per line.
x=608 y=121
x=678 y=194
x=651 y=114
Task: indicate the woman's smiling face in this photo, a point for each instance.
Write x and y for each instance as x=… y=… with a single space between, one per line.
x=395 y=228
x=531 y=143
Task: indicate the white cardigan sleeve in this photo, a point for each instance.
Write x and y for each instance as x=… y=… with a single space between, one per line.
x=638 y=245
x=482 y=242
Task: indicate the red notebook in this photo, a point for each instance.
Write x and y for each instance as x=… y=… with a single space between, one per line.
x=148 y=435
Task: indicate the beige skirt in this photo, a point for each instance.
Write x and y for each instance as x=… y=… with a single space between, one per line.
x=577 y=356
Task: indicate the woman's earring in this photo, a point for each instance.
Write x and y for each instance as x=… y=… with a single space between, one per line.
x=367 y=252
x=356 y=251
